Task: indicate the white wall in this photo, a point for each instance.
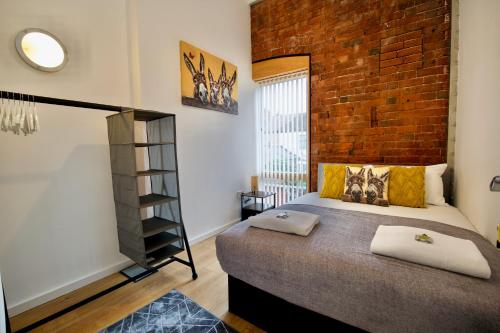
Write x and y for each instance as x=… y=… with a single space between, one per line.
x=478 y=115
x=216 y=150
x=57 y=223
x=57 y=213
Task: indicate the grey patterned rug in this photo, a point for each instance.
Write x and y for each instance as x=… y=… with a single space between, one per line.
x=172 y=313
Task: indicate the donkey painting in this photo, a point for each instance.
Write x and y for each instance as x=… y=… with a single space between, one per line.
x=354 y=184
x=375 y=188
x=200 y=82
x=212 y=85
x=227 y=88
x=214 y=88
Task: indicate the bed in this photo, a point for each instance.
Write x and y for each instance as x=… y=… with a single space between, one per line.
x=284 y=282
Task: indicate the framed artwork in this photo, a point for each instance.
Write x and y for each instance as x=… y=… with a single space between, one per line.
x=207 y=81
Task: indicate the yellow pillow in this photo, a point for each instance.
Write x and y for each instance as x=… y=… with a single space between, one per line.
x=407 y=186
x=333 y=181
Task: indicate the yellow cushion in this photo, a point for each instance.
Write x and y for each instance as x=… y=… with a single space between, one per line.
x=333 y=181
x=407 y=186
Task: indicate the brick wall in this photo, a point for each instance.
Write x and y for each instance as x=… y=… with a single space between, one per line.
x=379 y=78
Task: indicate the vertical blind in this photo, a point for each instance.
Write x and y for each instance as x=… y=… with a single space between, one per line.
x=282 y=136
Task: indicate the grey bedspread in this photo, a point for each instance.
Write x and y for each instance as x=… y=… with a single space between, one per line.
x=333 y=272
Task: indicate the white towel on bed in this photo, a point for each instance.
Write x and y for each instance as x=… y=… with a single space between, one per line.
x=446 y=252
x=299 y=223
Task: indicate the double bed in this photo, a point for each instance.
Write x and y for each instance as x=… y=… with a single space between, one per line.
x=285 y=282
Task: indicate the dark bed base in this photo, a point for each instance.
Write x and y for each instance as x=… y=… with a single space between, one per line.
x=274 y=314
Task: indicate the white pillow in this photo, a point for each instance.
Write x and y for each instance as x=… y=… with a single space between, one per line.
x=434 y=184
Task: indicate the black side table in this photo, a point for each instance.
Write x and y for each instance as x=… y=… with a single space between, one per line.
x=255 y=207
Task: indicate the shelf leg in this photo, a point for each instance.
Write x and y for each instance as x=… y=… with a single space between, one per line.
x=188 y=250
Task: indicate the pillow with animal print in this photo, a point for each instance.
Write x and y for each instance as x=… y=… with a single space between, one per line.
x=367 y=185
x=354 y=185
x=377 y=186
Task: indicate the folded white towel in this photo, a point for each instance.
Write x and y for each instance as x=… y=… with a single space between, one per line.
x=299 y=223
x=446 y=252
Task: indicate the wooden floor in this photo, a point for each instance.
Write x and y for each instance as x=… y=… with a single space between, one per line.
x=209 y=290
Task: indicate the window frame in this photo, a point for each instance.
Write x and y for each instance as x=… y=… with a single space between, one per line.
x=277 y=68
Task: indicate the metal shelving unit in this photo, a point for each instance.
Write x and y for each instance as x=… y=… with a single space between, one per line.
x=150 y=226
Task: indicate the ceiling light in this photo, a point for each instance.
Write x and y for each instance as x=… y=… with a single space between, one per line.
x=41 y=50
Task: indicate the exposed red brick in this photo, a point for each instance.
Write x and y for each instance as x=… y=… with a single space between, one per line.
x=379 y=76
x=391 y=62
x=392 y=47
x=410 y=50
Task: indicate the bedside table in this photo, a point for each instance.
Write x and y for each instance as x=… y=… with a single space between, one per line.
x=254 y=208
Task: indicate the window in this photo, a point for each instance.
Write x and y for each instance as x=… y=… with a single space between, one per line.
x=282 y=136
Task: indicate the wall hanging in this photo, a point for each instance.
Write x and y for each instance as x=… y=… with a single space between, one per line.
x=207 y=81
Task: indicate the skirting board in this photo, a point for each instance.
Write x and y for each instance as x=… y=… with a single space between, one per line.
x=211 y=233
x=66 y=288
x=71 y=286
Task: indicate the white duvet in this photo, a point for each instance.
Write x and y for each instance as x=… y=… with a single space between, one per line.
x=444 y=214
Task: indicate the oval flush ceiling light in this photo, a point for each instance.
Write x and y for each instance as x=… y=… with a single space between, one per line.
x=41 y=50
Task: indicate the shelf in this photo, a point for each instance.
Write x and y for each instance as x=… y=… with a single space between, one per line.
x=160 y=240
x=153 y=172
x=162 y=254
x=150 y=144
x=144 y=115
x=258 y=194
x=153 y=200
x=258 y=207
x=155 y=225
x=135 y=135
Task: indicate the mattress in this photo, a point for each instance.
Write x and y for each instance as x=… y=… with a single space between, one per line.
x=443 y=214
x=333 y=272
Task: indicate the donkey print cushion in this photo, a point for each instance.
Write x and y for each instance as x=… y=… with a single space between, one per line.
x=354 y=186
x=377 y=186
x=367 y=185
